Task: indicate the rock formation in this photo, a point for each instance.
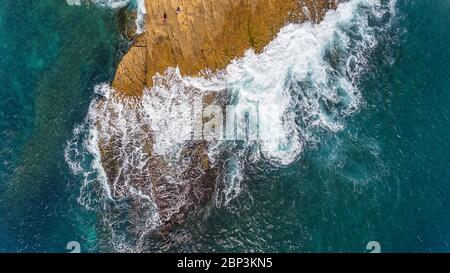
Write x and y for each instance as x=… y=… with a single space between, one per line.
x=201 y=34
x=206 y=34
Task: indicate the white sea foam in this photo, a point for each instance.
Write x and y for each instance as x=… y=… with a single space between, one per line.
x=303 y=83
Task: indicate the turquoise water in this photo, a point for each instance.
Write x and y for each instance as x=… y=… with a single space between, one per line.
x=52 y=55
x=385 y=177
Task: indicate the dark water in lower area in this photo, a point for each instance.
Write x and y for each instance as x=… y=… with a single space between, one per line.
x=385 y=177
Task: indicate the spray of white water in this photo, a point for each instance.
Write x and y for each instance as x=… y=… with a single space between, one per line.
x=304 y=82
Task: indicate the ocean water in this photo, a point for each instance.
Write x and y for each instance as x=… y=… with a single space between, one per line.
x=52 y=55
x=354 y=133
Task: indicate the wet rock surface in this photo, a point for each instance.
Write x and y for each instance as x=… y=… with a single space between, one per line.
x=204 y=34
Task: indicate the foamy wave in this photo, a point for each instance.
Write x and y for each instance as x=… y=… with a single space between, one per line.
x=303 y=83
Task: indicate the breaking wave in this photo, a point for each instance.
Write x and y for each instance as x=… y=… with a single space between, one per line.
x=305 y=82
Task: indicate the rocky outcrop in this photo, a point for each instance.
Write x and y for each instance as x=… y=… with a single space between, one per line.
x=205 y=34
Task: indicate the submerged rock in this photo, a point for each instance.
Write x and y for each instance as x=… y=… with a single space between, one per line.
x=126 y=23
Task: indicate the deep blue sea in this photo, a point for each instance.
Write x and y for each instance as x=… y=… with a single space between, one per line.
x=384 y=177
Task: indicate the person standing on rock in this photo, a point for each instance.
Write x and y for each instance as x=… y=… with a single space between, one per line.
x=165 y=18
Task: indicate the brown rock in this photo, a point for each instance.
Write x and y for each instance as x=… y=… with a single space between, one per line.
x=205 y=34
